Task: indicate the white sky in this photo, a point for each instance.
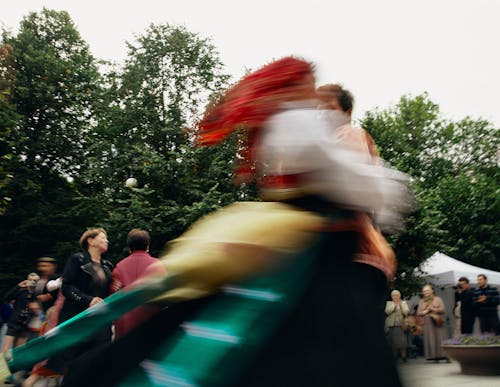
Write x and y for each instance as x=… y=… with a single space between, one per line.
x=379 y=49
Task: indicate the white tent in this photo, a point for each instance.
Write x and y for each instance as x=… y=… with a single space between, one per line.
x=443 y=270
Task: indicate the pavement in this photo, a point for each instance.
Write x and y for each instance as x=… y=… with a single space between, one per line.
x=420 y=373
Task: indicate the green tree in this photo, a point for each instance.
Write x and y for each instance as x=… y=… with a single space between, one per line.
x=53 y=78
x=455 y=174
x=143 y=130
x=8 y=120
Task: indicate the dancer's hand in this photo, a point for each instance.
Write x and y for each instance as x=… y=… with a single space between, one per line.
x=95 y=301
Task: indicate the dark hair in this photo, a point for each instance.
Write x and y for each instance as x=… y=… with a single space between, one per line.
x=138 y=239
x=343 y=96
x=90 y=233
x=482 y=275
x=463 y=279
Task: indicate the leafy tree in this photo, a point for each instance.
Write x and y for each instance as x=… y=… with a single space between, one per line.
x=142 y=131
x=8 y=119
x=55 y=77
x=51 y=81
x=454 y=170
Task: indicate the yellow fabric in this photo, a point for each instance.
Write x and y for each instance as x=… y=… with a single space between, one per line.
x=4 y=368
x=236 y=242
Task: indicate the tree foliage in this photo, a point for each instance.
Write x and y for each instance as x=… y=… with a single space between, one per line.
x=455 y=175
x=73 y=129
x=51 y=78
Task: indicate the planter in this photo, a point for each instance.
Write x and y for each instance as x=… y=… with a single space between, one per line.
x=476 y=359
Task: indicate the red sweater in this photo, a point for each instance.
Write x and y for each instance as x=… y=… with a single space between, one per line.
x=127 y=271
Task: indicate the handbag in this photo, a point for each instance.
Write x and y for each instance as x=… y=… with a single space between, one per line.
x=437 y=320
x=405 y=324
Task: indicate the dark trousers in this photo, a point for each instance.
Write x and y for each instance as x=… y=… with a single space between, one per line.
x=467 y=324
x=488 y=320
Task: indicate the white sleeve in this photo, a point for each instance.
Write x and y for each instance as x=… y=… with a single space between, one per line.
x=302 y=141
x=54 y=284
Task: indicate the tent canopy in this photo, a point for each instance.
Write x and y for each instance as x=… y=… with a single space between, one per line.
x=444 y=270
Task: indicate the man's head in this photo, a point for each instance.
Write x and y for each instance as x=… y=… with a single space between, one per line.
x=482 y=280
x=32 y=278
x=46 y=266
x=463 y=282
x=336 y=97
x=138 y=239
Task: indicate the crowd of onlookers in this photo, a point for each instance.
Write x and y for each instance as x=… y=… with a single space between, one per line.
x=47 y=298
x=422 y=330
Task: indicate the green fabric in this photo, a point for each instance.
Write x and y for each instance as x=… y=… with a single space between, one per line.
x=214 y=346
x=83 y=325
x=206 y=351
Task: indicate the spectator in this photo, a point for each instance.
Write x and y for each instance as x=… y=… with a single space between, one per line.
x=86 y=281
x=486 y=299
x=432 y=309
x=128 y=271
x=46 y=268
x=6 y=312
x=397 y=311
x=467 y=307
x=17 y=327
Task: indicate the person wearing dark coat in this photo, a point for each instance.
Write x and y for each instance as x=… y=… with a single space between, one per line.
x=467 y=307
x=86 y=282
x=17 y=328
x=487 y=299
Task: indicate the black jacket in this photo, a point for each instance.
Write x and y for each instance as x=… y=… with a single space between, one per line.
x=22 y=296
x=492 y=298
x=467 y=306
x=80 y=284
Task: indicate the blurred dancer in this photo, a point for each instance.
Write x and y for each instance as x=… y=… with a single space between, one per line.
x=317 y=193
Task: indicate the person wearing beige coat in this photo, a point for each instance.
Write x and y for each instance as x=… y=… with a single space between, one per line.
x=432 y=309
x=396 y=311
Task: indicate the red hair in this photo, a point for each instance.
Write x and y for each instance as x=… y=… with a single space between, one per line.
x=251 y=101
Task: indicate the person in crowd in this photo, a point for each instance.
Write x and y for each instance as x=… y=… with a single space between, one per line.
x=432 y=309
x=5 y=313
x=486 y=300
x=314 y=190
x=129 y=270
x=416 y=324
x=467 y=308
x=47 y=269
x=457 y=314
x=52 y=317
x=397 y=311
x=86 y=282
x=17 y=328
x=36 y=320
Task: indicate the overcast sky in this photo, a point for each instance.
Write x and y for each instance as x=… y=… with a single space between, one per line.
x=379 y=49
